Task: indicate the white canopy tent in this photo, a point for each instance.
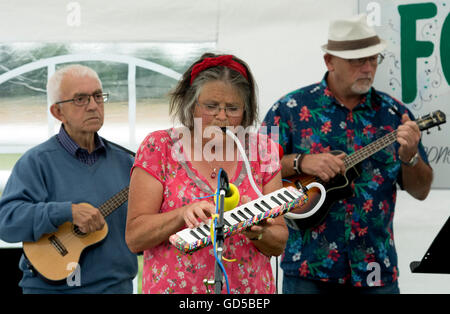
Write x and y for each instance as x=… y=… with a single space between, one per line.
x=280 y=40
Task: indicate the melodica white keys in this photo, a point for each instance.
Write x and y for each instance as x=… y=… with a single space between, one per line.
x=271 y=205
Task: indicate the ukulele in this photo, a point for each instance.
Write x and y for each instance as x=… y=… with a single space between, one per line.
x=53 y=255
x=339 y=187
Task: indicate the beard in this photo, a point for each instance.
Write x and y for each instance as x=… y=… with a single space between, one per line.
x=362 y=85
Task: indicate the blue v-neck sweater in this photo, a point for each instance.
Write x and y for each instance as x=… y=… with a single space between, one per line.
x=38 y=198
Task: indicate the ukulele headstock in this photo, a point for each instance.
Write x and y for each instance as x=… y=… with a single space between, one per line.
x=431 y=120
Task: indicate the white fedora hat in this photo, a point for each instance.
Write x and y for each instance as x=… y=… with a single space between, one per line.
x=353 y=38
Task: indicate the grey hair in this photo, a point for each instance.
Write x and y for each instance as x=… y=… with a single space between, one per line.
x=76 y=70
x=185 y=96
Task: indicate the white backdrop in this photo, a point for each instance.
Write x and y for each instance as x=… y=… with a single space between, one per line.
x=281 y=42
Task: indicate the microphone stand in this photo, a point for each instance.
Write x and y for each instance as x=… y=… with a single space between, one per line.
x=223 y=189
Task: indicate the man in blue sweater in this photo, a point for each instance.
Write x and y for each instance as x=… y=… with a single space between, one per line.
x=50 y=182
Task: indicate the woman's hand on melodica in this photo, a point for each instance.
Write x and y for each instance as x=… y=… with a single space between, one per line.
x=255 y=231
x=196 y=212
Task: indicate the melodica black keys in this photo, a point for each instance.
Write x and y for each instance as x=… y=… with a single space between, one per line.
x=271 y=205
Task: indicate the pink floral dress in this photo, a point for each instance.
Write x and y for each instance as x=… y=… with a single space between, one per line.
x=166 y=269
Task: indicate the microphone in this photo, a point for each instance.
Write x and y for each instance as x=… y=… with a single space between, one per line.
x=232 y=196
x=223 y=182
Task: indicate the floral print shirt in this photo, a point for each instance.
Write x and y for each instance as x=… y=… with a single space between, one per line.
x=166 y=269
x=355 y=243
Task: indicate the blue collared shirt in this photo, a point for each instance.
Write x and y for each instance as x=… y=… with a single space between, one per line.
x=79 y=153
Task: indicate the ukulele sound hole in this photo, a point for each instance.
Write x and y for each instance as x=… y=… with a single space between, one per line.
x=78 y=232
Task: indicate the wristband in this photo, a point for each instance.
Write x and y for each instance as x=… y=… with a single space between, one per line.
x=412 y=162
x=297 y=163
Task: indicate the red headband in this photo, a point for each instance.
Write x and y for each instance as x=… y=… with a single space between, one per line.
x=226 y=60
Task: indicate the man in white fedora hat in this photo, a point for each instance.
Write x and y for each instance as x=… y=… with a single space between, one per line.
x=348 y=246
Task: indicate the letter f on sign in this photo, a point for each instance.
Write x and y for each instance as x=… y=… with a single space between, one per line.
x=411 y=49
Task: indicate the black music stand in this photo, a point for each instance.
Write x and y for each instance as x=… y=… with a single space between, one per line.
x=223 y=189
x=436 y=259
